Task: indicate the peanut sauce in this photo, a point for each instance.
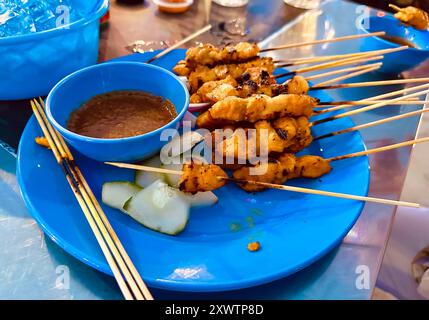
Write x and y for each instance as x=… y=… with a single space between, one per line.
x=120 y=114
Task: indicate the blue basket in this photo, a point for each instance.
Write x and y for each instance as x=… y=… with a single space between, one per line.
x=32 y=64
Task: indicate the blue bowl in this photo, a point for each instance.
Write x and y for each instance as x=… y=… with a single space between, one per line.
x=71 y=92
x=398 y=61
x=32 y=64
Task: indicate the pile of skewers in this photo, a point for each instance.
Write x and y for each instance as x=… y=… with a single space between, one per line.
x=216 y=73
x=242 y=93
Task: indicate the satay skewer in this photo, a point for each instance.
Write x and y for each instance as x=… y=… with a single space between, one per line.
x=326 y=193
x=180 y=43
x=380 y=149
x=314 y=42
x=381 y=96
x=370 y=56
x=277 y=186
x=395 y=7
x=207 y=95
x=234 y=110
x=370 y=101
x=328 y=65
x=373 y=123
x=300 y=61
x=368 y=69
x=369 y=84
x=372 y=107
x=351 y=73
x=335 y=72
x=298 y=189
x=304 y=61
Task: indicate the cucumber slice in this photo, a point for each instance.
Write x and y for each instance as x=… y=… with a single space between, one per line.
x=116 y=194
x=160 y=208
x=172 y=179
x=200 y=199
x=143 y=178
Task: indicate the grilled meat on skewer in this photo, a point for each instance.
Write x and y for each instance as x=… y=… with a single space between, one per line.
x=214 y=91
x=285 y=167
x=412 y=16
x=209 y=55
x=201 y=177
x=203 y=74
x=255 y=108
x=282 y=135
x=208 y=177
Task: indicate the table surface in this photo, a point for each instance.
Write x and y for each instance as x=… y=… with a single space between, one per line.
x=33 y=267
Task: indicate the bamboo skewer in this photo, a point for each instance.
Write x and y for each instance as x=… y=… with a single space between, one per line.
x=381 y=96
x=302 y=44
x=112 y=264
x=134 y=280
x=363 y=102
x=304 y=190
x=306 y=60
x=334 y=64
x=342 y=62
x=181 y=42
x=91 y=203
x=303 y=61
x=373 y=67
x=340 y=71
x=373 y=123
x=142 y=286
x=327 y=193
x=279 y=186
x=78 y=181
x=394 y=7
x=282 y=187
x=370 y=84
x=375 y=106
x=380 y=149
x=143 y=168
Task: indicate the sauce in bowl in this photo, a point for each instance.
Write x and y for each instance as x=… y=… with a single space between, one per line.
x=121 y=114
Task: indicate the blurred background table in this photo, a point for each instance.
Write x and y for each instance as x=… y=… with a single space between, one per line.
x=33 y=267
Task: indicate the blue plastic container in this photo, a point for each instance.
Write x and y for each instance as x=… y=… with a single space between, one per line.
x=77 y=88
x=396 y=62
x=32 y=64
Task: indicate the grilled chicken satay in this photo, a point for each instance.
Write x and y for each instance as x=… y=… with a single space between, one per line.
x=244 y=86
x=255 y=108
x=203 y=74
x=214 y=91
x=208 y=177
x=412 y=16
x=201 y=177
x=282 y=169
x=208 y=54
x=282 y=135
x=182 y=69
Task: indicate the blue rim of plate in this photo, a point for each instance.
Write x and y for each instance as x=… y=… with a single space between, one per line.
x=175 y=285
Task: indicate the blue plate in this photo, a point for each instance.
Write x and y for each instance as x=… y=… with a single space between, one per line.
x=211 y=254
